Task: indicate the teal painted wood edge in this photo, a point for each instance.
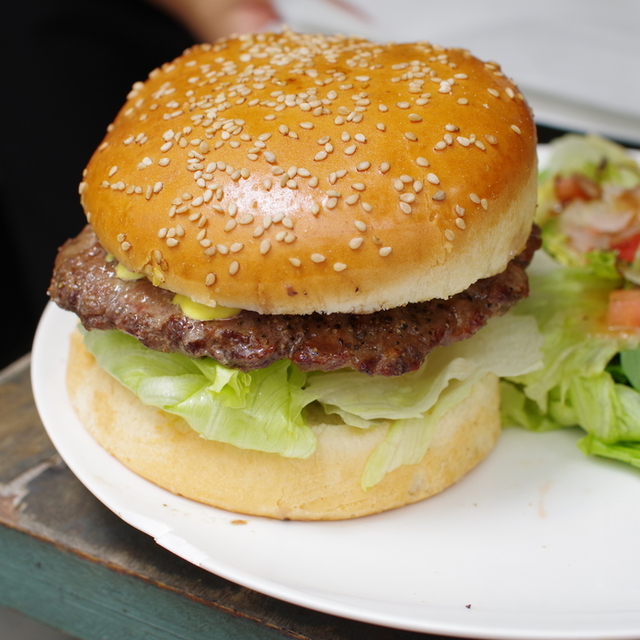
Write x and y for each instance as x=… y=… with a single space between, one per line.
x=92 y=602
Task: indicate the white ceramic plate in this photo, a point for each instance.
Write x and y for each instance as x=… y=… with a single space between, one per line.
x=537 y=542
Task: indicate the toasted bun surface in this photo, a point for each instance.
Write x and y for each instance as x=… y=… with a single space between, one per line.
x=288 y=173
x=326 y=486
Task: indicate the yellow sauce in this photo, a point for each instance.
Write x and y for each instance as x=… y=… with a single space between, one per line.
x=197 y=311
x=124 y=273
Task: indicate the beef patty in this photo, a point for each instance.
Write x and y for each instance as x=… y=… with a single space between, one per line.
x=388 y=343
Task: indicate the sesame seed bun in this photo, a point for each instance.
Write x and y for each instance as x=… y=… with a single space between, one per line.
x=326 y=486
x=287 y=173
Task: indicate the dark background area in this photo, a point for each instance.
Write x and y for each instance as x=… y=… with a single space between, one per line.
x=69 y=65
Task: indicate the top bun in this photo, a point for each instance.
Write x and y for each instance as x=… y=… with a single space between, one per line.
x=289 y=173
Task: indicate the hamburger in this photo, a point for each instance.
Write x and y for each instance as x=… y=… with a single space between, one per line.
x=293 y=282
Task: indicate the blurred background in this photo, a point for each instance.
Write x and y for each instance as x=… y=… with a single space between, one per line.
x=68 y=65
x=72 y=63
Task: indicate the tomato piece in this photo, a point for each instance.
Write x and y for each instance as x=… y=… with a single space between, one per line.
x=627 y=248
x=576 y=187
x=624 y=309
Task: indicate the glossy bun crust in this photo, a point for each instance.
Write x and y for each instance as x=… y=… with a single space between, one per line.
x=326 y=486
x=288 y=173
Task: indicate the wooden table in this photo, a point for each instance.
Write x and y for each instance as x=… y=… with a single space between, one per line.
x=67 y=561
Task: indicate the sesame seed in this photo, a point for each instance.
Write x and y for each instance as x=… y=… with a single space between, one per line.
x=321 y=155
x=465 y=142
x=383 y=108
x=358 y=186
x=403 y=105
x=296 y=262
x=414 y=117
x=231 y=225
x=339 y=266
x=367 y=207
x=462 y=101
x=265 y=246
x=459 y=210
x=307 y=125
x=474 y=198
x=317 y=258
x=350 y=150
x=405 y=208
x=360 y=138
x=384 y=251
x=484 y=204
x=438 y=196
x=235 y=247
x=210 y=279
x=270 y=157
x=384 y=167
x=440 y=145
x=315 y=208
x=460 y=223
x=417 y=186
x=234 y=267
x=493 y=92
x=449 y=235
x=516 y=128
x=356 y=243
x=408 y=197
x=363 y=166
x=422 y=162
x=491 y=139
x=398 y=185
x=433 y=178
x=125 y=246
x=352 y=199
x=331 y=203
x=171 y=242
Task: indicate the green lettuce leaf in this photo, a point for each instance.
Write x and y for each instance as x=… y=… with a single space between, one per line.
x=414 y=402
x=580 y=382
x=261 y=410
x=596 y=158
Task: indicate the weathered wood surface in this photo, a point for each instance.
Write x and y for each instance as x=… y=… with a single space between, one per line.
x=68 y=561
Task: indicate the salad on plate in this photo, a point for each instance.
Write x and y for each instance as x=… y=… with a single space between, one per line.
x=585 y=296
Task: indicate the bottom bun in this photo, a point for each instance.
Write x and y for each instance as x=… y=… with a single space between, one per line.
x=326 y=486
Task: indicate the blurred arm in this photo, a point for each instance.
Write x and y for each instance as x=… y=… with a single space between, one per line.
x=208 y=20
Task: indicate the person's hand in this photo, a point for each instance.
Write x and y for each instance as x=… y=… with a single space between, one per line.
x=208 y=20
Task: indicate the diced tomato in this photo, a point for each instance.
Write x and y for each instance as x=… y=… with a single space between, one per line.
x=627 y=248
x=624 y=309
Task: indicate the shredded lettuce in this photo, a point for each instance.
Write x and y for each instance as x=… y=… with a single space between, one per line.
x=264 y=410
